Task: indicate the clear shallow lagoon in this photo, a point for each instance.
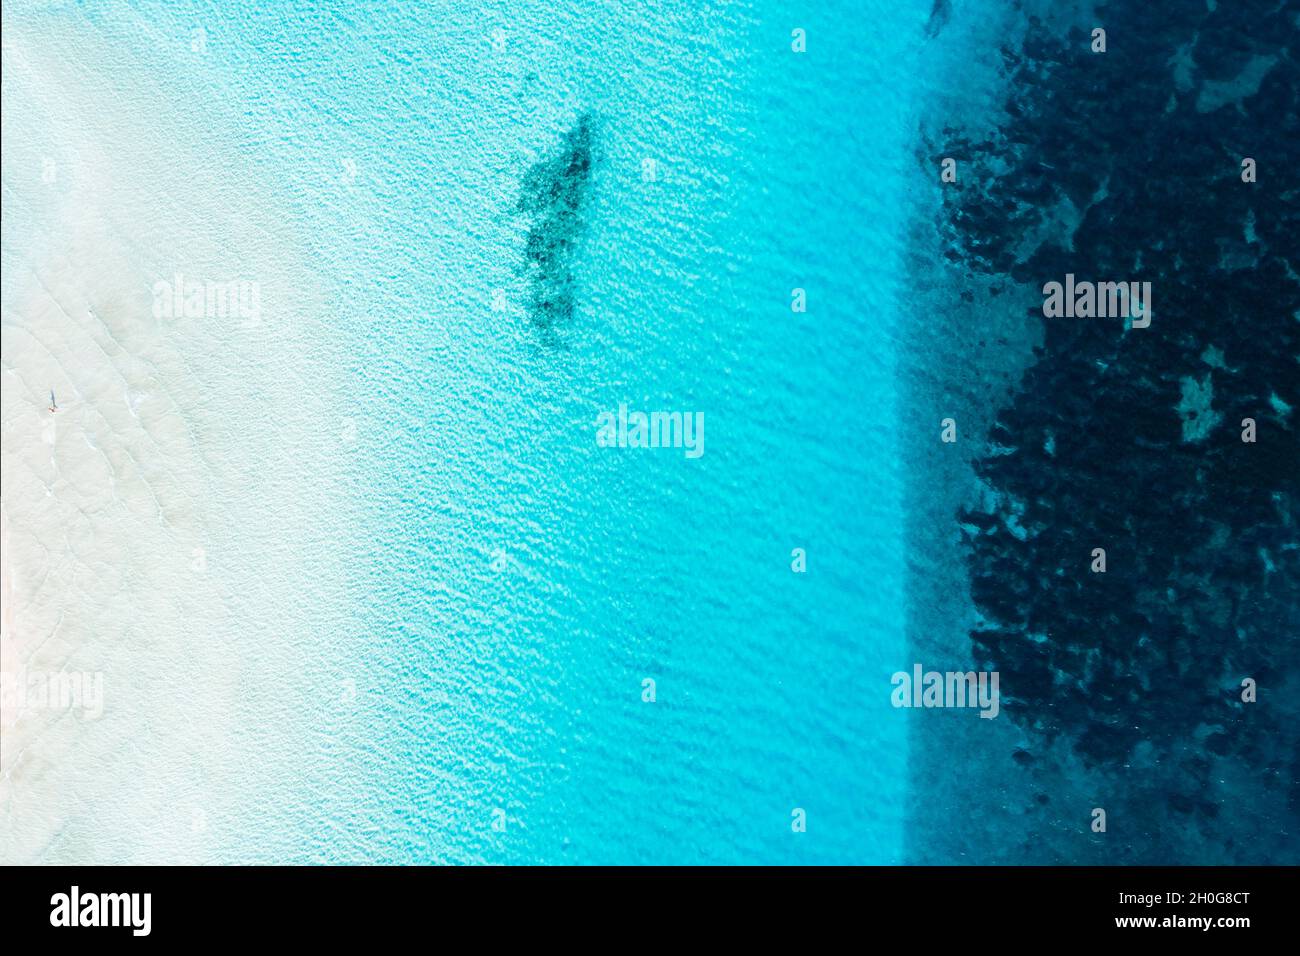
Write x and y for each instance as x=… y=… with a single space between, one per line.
x=520 y=582
x=510 y=584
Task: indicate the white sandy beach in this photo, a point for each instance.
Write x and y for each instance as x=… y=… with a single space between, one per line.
x=155 y=527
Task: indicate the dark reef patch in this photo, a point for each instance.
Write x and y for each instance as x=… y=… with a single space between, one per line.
x=554 y=197
x=1126 y=165
x=939 y=16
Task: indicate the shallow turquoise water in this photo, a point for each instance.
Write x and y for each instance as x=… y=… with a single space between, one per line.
x=514 y=583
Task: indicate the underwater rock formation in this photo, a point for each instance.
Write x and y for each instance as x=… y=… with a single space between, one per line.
x=1128 y=165
x=554 y=195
